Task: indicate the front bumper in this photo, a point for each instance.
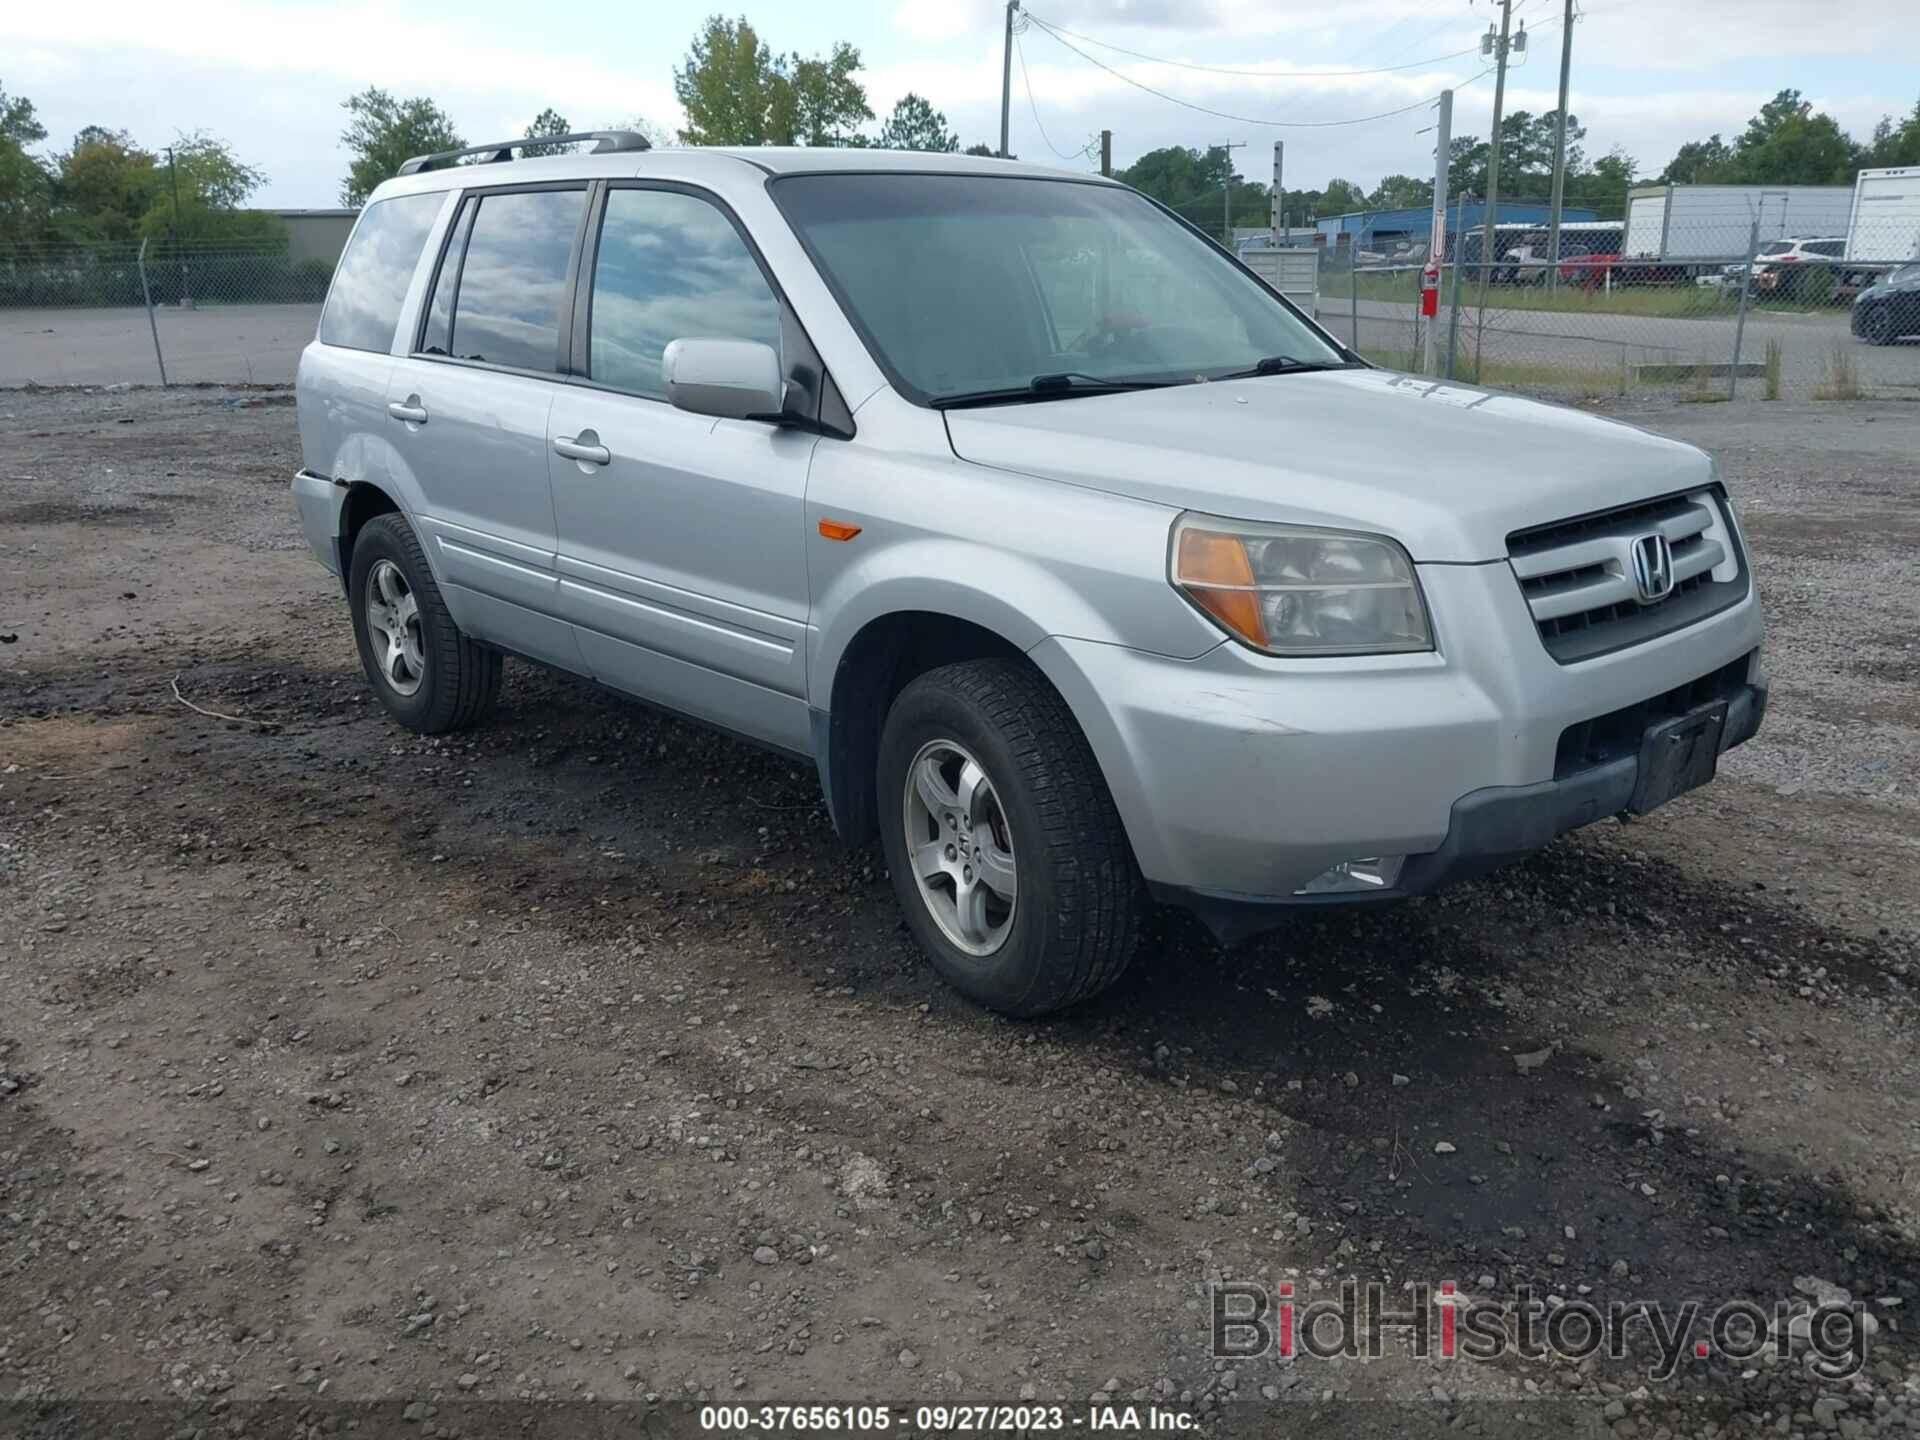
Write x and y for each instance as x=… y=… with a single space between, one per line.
x=1241 y=777
x=1489 y=828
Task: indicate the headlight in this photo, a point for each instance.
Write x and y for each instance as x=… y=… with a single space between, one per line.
x=1292 y=590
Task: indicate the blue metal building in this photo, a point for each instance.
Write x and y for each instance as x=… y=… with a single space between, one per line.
x=1382 y=229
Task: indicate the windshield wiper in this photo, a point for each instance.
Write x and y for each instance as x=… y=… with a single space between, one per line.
x=1287 y=365
x=1058 y=385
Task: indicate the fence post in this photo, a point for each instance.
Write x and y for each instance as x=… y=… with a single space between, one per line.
x=1459 y=264
x=1353 y=297
x=1740 y=324
x=153 y=325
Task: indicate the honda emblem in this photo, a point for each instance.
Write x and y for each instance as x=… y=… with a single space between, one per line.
x=1652 y=568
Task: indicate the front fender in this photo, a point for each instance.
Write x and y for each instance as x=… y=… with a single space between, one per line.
x=1022 y=598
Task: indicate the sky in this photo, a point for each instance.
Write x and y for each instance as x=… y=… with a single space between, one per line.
x=269 y=76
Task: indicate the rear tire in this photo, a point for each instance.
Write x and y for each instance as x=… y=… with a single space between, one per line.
x=1033 y=813
x=427 y=673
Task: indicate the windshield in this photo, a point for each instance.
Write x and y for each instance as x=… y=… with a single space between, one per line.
x=964 y=284
x=1776 y=247
x=1905 y=275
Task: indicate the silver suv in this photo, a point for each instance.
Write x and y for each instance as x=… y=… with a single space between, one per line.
x=1087 y=570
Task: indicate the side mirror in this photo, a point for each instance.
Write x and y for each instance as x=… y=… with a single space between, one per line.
x=731 y=379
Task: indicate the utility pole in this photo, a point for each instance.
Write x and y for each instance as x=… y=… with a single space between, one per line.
x=1006 y=77
x=1279 y=197
x=1227 y=147
x=1437 y=244
x=1106 y=153
x=1559 y=154
x=1487 y=256
x=173 y=233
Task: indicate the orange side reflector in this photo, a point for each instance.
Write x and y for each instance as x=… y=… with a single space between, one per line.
x=838 y=529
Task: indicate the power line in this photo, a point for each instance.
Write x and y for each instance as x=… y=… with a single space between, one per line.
x=1059 y=30
x=1026 y=80
x=1248 y=119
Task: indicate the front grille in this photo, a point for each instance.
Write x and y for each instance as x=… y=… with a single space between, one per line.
x=1577 y=575
x=1618 y=733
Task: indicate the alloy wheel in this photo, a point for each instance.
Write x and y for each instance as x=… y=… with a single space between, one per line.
x=960 y=845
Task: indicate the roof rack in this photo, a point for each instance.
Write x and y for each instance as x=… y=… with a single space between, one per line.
x=607 y=142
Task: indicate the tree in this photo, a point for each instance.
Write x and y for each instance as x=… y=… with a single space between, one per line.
x=548 y=122
x=385 y=132
x=104 y=184
x=820 y=103
x=26 y=189
x=1699 y=162
x=1400 y=192
x=213 y=183
x=916 y=125
x=1176 y=174
x=1342 y=197
x=736 y=91
x=1788 y=144
x=986 y=150
x=1895 y=144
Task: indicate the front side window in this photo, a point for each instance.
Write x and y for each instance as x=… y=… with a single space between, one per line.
x=670 y=266
x=967 y=285
x=512 y=282
x=370 y=284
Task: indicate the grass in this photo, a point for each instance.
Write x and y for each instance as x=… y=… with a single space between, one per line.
x=1843 y=376
x=1679 y=302
x=1775 y=356
x=1585 y=381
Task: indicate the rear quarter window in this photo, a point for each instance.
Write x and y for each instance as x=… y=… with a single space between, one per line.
x=363 y=307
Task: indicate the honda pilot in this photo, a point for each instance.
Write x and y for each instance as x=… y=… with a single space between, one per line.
x=1087 y=570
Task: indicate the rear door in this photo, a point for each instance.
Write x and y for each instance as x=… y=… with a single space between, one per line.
x=681 y=555
x=467 y=411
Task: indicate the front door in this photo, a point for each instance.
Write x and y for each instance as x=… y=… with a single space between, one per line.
x=681 y=556
x=468 y=411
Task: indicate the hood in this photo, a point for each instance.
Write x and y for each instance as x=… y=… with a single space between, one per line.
x=1446 y=470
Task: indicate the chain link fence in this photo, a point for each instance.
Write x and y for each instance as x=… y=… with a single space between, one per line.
x=1715 y=305
x=150 y=311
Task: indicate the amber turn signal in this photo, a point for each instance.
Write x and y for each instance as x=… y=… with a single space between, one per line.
x=838 y=529
x=1214 y=569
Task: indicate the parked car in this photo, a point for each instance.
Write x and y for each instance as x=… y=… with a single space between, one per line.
x=1529 y=261
x=1890 y=310
x=1790 y=269
x=1086 y=570
x=1591 y=272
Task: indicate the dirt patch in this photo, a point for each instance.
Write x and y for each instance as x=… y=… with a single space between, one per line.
x=574 y=1057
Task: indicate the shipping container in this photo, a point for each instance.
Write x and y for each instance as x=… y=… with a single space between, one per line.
x=1687 y=224
x=1885 y=221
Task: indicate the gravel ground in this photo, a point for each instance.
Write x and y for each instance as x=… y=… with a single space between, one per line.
x=573 y=1058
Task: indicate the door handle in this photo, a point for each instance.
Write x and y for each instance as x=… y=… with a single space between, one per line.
x=587 y=449
x=409 y=410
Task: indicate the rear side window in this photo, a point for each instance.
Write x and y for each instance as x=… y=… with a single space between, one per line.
x=670 y=266
x=511 y=283
x=371 y=282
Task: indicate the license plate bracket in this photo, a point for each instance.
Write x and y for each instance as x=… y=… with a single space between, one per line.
x=1678 y=755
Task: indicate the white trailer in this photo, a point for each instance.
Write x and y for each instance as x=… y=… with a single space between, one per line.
x=1885 y=221
x=1689 y=224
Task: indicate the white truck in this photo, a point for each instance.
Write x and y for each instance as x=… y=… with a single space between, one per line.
x=1682 y=228
x=1884 y=221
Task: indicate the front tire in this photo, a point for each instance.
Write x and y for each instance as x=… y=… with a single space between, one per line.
x=1877 y=326
x=427 y=673
x=1002 y=841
